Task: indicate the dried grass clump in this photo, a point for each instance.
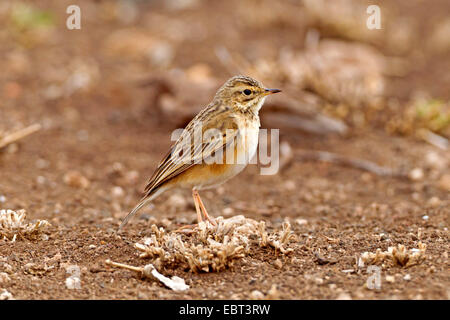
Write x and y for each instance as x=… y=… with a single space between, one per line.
x=6 y=295
x=12 y=224
x=347 y=19
x=340 y=17
x=349 y=78
x=422 y=113
x=346 y=73
x=398 y=256
x=277 y=240
x=211 y=248
x=438 y=42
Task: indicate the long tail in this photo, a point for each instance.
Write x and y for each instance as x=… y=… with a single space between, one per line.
x=146 y=199
x=135 y=210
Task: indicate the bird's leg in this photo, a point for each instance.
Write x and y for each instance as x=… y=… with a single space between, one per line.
x=197 y=202
x=205 y=213
x=198 y=205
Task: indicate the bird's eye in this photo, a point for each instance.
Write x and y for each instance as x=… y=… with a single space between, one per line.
x=247 y=92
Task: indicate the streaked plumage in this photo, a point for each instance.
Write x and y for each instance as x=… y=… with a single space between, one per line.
x=190 y=162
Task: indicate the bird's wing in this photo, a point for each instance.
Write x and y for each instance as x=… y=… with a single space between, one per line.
x=194 y=148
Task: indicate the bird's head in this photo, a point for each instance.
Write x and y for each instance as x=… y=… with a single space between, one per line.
x=244 y=93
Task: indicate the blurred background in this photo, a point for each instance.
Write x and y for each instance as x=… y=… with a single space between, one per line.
x=86 y=115
x=321 y=52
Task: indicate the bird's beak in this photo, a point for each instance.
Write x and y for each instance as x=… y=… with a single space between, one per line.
x=271 y=91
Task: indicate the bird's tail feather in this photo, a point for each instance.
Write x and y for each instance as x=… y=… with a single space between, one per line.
x=146 y=199
x=141 y=203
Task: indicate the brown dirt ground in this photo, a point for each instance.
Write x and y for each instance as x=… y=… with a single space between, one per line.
x=348 y=212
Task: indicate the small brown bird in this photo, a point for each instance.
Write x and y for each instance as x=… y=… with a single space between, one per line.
x=214 y=147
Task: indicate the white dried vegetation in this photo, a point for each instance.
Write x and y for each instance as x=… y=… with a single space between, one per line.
x=212 y=248
x=397 y=256
x=6 y=295
x=175 y=283
x=13 y=224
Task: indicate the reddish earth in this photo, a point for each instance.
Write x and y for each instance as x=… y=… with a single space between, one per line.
x=111 y=135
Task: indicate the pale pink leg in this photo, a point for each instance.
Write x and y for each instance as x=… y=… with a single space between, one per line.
x=205 y=213
x=197 y=199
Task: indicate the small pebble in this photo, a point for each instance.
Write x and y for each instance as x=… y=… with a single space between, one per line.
x=444 y=182
x=301 y=221
x=5 y=295
x=434 y=202
x=416 y=174
x=76 y=179
x=83 y=135
x=318 y=281
x=256 y=295
x=383 y=236
x=344 y=296
x=273 y=293
x=7 y=267
x=73 y=283
x=117 y=192
x=42 y=164
x=278 y=264
x=434 y=160
x=40 y=180
x=166 y=222
x=289 y=185
x=407 y=277
x=390 y=279
x=141 y=295
x=131 y=177
x=228 y=211
x=12 y=148
x=348 y=271
x=4 y=278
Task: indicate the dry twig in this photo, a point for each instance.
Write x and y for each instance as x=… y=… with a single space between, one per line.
x=175 y=283
x=19 y=134
x=349 y=162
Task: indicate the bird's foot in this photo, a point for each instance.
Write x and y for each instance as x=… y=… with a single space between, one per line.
x=211 y=220
x=188 y=229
